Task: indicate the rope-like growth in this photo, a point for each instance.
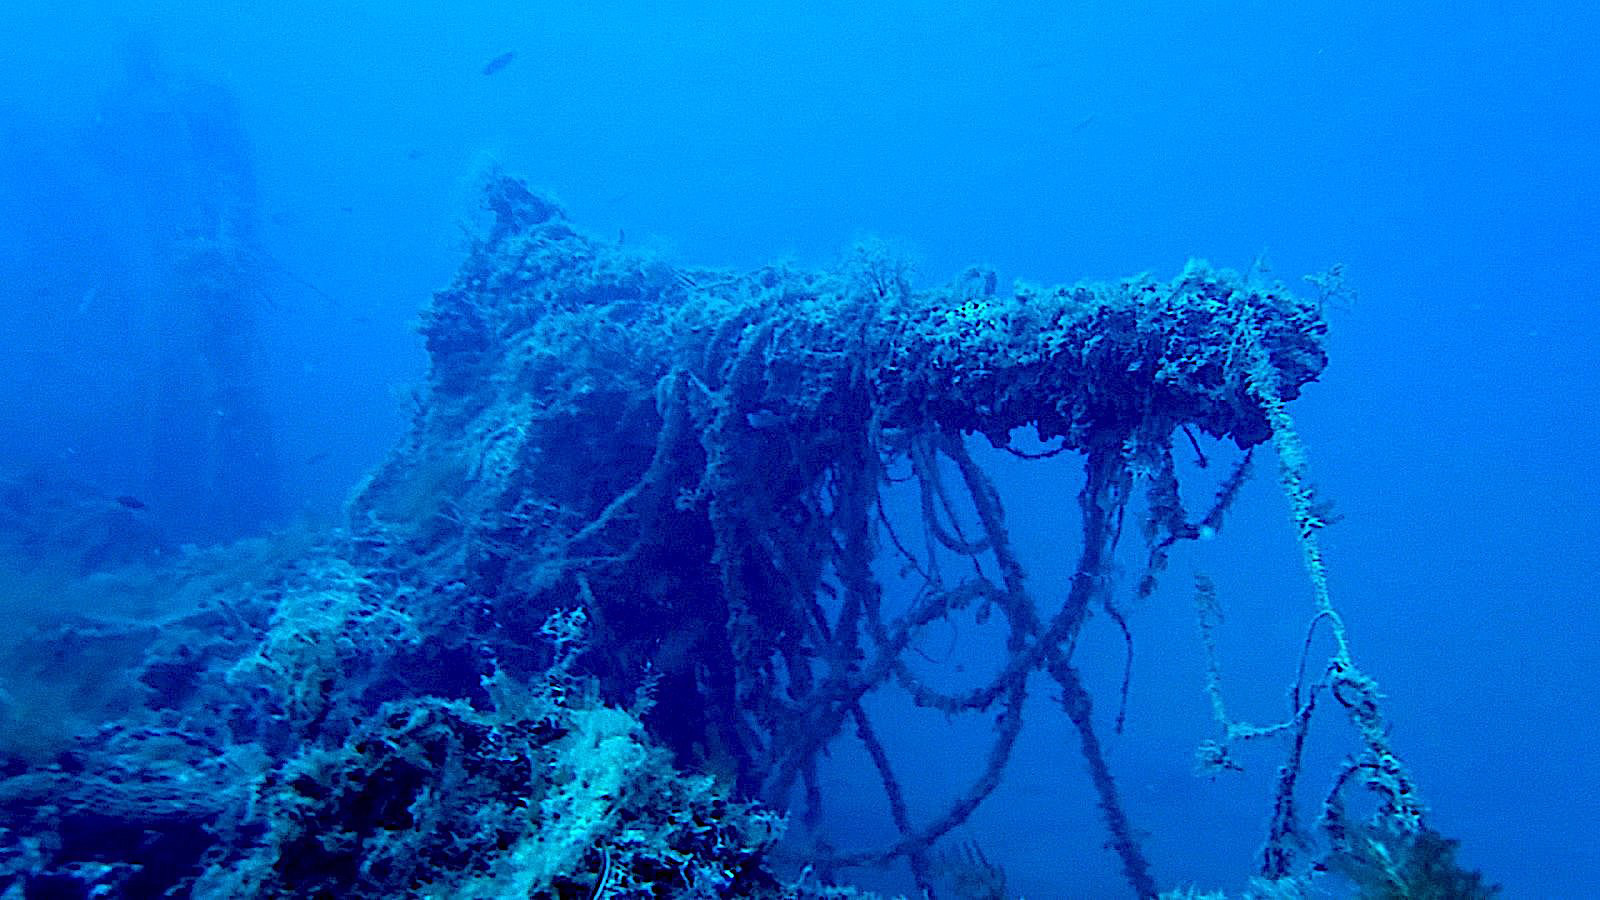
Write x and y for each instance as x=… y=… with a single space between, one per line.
x=1378 y=767
x=701 y=459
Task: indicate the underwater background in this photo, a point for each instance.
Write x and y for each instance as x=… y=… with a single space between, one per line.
x=1444 y=154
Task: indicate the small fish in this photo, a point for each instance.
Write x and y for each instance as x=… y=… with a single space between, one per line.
x=764 y=419
x=320 y=456
x=87 y=301
x=500 y=62
x=129 y=501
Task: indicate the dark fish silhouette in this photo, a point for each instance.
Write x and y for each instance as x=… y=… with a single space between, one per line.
x=130 y=501
x=500 y=62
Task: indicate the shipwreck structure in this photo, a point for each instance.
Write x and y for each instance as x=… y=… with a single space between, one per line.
x=695 y=458
x=638 y=529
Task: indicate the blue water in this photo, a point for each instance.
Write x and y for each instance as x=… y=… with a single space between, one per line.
x=1445 y=153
